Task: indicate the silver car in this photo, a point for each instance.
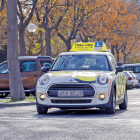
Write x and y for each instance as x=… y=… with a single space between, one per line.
x=135 y=68
x=135 y=79
x=129 y=79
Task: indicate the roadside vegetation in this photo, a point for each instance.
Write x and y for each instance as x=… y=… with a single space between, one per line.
x=30 y=98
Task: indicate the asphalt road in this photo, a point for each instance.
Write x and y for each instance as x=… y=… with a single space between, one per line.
x=23 y=123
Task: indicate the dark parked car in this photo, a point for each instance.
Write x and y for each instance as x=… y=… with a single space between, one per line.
x=30 y=67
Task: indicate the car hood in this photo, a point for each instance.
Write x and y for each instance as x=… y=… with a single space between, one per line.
x=74 y=76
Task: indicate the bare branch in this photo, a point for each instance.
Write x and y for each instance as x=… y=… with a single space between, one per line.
x=57 y=24
x=20 y=9
x=31 y=13
x=37 y=15
x=62 y=37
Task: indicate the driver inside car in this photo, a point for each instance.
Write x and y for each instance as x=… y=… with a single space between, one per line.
x=100 y=63
x=74 y=64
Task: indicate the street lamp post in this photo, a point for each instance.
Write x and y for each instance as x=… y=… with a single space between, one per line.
x=32 y=28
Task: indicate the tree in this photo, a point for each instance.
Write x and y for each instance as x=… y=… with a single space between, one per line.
x=3 y=54
x=49 y=15
x=24 y=18
x=69 y=26
x=3 y=25
x=2 y=5
x=15 y=82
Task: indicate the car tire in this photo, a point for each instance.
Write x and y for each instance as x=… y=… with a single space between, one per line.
x=3 y=95
x=34 y=94
x=41 y=110
x=124 y=104
x=111 y=109
x=27 y=94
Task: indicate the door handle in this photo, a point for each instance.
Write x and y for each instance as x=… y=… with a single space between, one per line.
x=35 y=75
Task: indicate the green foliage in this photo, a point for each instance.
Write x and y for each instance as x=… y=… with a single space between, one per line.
x=30 y=98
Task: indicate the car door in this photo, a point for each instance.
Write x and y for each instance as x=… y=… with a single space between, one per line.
x=4 y=76
x=29 y=73
x=119 y=79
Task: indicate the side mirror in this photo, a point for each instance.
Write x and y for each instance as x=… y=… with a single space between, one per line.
x=119 y=69
x=119 y=64
x=45 y=67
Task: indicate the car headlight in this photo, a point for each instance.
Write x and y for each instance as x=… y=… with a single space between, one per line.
x=43 y=80
x=102 y=79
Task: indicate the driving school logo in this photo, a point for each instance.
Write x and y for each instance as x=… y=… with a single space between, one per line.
x=98 y=45
x=84 y=45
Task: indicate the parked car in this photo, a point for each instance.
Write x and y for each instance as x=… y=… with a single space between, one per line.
x=135 y=79
x=135 y=68
x=30 y=67
x=129 y=78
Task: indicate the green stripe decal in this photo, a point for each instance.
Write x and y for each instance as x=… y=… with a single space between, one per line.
x=86 y=78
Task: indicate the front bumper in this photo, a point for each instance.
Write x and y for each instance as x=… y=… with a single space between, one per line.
x=87 y=102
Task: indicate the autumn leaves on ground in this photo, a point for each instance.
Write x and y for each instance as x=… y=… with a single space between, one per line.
x=116 y=22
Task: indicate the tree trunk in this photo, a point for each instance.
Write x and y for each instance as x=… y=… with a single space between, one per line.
x=15 y=83
x=118 y=58
x=124 y=59
x=22 y=41
x=68 y=44
x=47 y=40
x=112 y=49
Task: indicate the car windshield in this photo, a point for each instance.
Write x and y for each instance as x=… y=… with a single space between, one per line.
x=81 y=62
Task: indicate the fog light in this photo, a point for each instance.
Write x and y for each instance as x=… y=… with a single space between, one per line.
x=42 y=97
x=101 y=97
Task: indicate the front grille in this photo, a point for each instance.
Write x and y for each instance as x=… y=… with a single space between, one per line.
x=71 y=87
x=70 y=101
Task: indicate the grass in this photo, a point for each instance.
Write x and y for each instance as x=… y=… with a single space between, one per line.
x=30 y=98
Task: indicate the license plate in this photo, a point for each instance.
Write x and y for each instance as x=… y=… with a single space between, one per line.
x=76 y=93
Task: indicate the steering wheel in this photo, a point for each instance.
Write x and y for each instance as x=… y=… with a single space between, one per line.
x=95 y=68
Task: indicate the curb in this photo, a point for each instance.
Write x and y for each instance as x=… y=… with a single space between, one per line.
x=18 y=103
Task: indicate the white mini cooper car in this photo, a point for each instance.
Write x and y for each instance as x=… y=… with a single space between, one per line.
x=86 y=77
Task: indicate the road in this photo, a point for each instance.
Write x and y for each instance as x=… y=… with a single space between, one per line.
x=23 y=123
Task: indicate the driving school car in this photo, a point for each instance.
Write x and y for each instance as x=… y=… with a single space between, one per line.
x=85 y=77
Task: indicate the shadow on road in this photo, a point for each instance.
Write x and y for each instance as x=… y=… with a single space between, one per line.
x=82 y=113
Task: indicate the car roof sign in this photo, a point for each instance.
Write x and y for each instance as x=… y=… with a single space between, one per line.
x=89 y=46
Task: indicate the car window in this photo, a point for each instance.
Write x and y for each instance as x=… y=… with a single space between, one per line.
x=4 y=68
x=81 y=62
x=113 y=64
x=128 y=68
x=26 y=66
x=45 y=62
x=137 y=69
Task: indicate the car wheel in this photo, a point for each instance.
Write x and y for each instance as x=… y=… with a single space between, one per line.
x=27 y=94
x=3 y=95
x=41 y=110
x=33 y=94
x=111 y=109
x=124 y=104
